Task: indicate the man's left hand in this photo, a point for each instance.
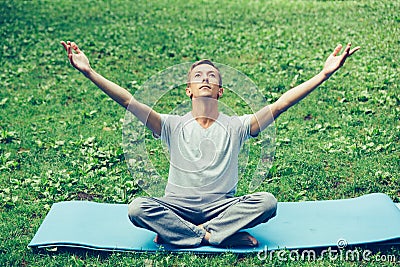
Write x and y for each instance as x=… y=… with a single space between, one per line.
x=335 y=61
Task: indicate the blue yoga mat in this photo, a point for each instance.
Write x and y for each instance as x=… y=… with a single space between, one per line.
x=372 y=218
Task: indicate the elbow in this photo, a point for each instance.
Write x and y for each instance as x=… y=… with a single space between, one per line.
x=279 y=107
x=129 y=104
x=125 y=104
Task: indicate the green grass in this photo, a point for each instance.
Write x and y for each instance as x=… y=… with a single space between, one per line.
x=60 y=137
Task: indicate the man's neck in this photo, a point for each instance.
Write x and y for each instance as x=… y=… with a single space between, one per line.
x=205 y=111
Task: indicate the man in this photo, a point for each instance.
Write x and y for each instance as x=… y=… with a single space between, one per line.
x=199 y=206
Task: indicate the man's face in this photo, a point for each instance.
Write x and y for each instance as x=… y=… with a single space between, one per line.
x=204 y=82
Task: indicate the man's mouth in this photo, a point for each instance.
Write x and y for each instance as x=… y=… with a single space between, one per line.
x=205 y=87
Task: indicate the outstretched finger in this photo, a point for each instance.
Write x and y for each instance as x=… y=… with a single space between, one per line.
x=337 y=50
x=352 y=51
x=65 y=45
x=347 y=50
x=345 y=54
x=76 y=48
x=69 y=50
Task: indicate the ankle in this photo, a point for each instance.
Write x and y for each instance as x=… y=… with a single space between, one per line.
x=206 y=237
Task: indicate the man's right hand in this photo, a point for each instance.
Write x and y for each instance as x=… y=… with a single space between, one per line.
x=77 y=59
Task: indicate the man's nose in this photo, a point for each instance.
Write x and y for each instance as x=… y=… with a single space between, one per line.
x=205 y=79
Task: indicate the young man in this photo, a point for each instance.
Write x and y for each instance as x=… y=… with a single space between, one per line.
x=199 y=206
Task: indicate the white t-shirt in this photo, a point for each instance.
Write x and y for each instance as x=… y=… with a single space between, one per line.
x=203 y=162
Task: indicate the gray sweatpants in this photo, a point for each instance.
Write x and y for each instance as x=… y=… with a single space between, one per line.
x=177 y=224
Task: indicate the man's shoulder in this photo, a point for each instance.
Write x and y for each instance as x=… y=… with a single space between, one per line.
x=175 y=119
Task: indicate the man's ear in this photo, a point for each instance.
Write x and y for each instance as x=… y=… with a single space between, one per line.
x=188 y=92
x=220 y=92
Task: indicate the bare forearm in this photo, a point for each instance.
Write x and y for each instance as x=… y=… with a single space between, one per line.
x=116 y=92
x=120 y=95
x=332 y=64
x=146 y=115
x=297 y=93
x=266 y=115
x=143 y=112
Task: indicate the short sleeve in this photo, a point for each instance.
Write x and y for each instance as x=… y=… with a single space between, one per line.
x=246 y=126
x=168 y=124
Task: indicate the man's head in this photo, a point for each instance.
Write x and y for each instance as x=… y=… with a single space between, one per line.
x=204 y=79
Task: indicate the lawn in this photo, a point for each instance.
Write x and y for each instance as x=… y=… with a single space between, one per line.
x=61 y=137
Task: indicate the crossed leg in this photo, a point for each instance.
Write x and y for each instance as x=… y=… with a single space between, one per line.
x=164 y=218
x=238 y=239
x=220 y=221
x=243 y=212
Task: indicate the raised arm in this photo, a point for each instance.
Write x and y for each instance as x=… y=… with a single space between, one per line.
x=266 y=115
x=143 y=112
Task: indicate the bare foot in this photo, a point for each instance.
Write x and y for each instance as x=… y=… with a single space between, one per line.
x=240 y=239
x=158 y=240
x=206 y=236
